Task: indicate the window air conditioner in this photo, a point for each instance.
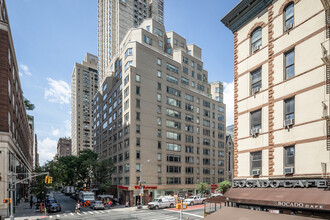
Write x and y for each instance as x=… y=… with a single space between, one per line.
x=255 y=90
x=255 y=131
x=288 y=122
x=289 y=26
x=256 y=47
x=256 y=172
x=288 y=170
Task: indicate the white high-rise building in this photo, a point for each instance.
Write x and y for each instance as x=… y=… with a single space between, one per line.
x=115 y=18
x=83 y=87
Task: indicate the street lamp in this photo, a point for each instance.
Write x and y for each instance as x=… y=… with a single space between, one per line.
x=141 y=181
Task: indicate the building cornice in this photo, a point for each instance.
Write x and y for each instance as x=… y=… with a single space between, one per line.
x=243 y=12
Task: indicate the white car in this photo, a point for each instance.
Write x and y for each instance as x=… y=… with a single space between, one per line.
x=194 y=200
x=97 y=205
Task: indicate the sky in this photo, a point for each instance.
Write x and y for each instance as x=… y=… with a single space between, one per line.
x=51 y=35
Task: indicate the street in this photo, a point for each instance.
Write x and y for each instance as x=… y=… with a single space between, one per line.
x=122 y=213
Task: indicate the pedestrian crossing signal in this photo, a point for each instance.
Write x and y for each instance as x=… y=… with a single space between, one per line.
x=8 y=200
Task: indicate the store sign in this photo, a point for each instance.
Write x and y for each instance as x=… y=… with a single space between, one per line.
x=280 y=183
x=122 y=187
x=299 y=205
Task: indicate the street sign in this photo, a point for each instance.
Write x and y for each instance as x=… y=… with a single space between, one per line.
x=143 y=182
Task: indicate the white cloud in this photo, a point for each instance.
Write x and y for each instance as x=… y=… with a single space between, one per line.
x=24 y=70
x=55 y=132
x=58 y=92
x=47 y=149
x=228 y=96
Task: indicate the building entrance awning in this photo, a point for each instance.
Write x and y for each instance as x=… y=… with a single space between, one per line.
x=305 y=198
x=246 y=214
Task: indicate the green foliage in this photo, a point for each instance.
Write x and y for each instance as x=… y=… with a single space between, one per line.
x=78 y=171
x=224 y=186
x=28 y=106
x=202 y=187
x=38 y=187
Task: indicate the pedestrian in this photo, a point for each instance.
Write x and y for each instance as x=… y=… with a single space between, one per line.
x=31 y=202
x=109 y=204
x=78 y=207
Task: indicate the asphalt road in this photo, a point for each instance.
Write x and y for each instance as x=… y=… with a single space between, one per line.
x=131 y=213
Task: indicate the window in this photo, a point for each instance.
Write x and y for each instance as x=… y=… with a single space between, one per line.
x=288 y=17
x=147 y=40
x=172 y=79
x=159 y=156
x=138 y=129
x=289 y=156
x=159 y=145
x=159 y=109
x=256 y=39
x=256 y=119
x=159 y=168
x=185 y=70
x=173 y=135
x=138 y=78
x=173 y=180
x=289 y=109
x=159 y=73
x=172 y=68
x=173 y=169
x=189 y=97
x=159 y=86
x=173 y=91
x=159 y=133
x=169 y=50
x=159 y=121
x=126 y=92
x=189 y=180
x=173 y=102
x=255 y=80
x=128 y=52
x=289 y=64
x=158 y=32
x=128 y=64
x=168 y=40
x=173 y=158
x=138 y=167
x=173 y=147
x=185 y=59
x=173 y=124
x=256 y=161
x=148 y=28
x=184 y=80
x=173 y=113
x=159 y=61
x=159 y=97
x=138 y=116
x=138 y=90
x=138 y=103
x=189 y=149
x=160 y=43
x=138 y=154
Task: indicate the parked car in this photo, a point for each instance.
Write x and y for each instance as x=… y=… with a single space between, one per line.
x=97 y=205
x=50 y=201
x=54 y=207
x=194 y=200
x=162 y=202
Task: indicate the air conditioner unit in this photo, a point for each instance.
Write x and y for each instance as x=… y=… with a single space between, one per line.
x=288 y=170
x=289 y=26
x=255 y=90
x=255 y=131
x=256 y=172
x=256 y=47
x=288 y=122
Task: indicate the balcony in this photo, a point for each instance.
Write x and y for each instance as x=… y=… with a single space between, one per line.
x=326 y=51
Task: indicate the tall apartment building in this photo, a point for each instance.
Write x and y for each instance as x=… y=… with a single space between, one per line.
x=115 y=18
x=84 y=85
x=63 y=147
x=15 y=134
x=281 y=79
x=155 y=119
x=217 y=91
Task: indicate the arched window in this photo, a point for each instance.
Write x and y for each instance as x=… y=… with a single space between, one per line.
x=256 y=39
x=288 y=17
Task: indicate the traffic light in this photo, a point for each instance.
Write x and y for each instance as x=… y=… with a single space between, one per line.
x=50 y=179
x=8 y=200
x=46 y=179
x=139 y=184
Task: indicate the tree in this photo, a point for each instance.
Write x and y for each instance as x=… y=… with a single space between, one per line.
x=28 y=106
x=202 y=187
x=86 y=163
x=38 y=187
x=224 y=186
x=102 y=174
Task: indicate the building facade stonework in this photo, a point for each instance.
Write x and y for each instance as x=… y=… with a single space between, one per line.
x=84 y=85
x=281 y=96
x=63 y=147
x=155 y=119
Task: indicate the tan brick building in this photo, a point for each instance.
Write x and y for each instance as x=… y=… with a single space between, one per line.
x=281 y=85
x=63 y=147
x=155 y=119
x=84 y=85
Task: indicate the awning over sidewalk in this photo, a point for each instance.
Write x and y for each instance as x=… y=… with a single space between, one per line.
x=306 y=198
x=246 y=214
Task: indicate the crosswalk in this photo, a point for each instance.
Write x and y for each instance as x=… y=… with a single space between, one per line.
x=136 y=215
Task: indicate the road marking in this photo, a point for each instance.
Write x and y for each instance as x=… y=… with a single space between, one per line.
x=78 y=213
x=50 y=216
x=186 y=213
x=58 y=216
x=71 y=213
x=91 y=213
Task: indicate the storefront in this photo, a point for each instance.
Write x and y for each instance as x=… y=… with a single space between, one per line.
x=310 y=198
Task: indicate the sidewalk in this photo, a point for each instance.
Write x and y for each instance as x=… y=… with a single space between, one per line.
x=23 y=211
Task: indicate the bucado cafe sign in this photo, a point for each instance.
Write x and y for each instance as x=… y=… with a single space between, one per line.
x=280 y=183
